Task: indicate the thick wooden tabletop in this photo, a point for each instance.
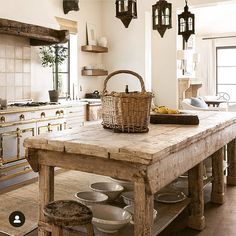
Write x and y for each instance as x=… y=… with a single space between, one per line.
x=147 y=148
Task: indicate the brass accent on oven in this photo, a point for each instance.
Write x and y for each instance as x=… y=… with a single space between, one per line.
x=3 y=119
x=18 y=135
x=43 y=115
x=49 y=127
x=27 y=168
x=2 y=135
x=22 y=117
x=5 y=177
x=16 y=166
x=1 y=151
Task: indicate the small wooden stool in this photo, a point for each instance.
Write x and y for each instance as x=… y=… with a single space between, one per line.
x=68 y=213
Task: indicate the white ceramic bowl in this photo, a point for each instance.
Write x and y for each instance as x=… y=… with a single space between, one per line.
x=128 y=197
x=111 y=189
x=130 y=209
x=109 y=219
x=89 y=198
x=128 y=186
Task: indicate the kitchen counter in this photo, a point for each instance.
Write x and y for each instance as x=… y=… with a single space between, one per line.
x=66 y=104
x=150 y=160
x=92 y=101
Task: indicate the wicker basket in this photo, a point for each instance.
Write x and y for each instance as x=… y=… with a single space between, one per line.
x=126 y=112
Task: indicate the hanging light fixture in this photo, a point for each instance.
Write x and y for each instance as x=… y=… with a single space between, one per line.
x=161 y=16
x=186 y=23
x=70 y=5
x=126 y=10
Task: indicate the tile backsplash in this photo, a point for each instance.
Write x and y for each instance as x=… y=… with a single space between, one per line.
x=15 y=68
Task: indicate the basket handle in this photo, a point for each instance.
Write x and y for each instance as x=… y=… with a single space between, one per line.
x=126 y=72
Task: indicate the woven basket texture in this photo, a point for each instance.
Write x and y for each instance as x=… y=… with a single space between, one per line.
x=126 y=112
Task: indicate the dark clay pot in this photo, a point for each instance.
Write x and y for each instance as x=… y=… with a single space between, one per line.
x=53 y=95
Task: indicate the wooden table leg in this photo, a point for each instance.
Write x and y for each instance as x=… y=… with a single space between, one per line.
x=46 y=192
x=218 y=187
x=143 y=210
x=231 y=155
x=195 y=178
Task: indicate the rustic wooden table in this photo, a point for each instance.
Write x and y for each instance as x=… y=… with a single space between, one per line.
x=150 y=160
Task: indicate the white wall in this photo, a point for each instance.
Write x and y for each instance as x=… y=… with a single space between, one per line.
x=127 y=49
x=43 y=13
x=126 y=46
x=206 y=70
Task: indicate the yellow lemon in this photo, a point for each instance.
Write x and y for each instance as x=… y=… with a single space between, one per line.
x=162 y=110
x=173 y=111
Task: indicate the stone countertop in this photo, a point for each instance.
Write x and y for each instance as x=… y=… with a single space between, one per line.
x=15 y=109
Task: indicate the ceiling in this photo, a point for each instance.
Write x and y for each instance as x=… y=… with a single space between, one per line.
x=215 y=20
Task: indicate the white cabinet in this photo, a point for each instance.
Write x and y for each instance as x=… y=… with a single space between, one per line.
x=75 y=116
x=11 y=141
x=13 y=166
x=50 y=126
x=15 y=127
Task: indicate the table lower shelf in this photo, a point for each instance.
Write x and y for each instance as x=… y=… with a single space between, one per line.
x=166 y=213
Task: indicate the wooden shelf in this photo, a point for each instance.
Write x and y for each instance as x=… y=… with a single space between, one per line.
x=94 y=72
x=95 y=49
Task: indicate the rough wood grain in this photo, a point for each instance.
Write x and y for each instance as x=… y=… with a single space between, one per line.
x=123 y=170
x=144 y=148
x=218 y=188
x=195 y=180
x=38 y=35
x=143 y=211
x=182 y=118
x=46 y=192
x=57 y=231
x=31 y=156
x=231 y=154
x=146 y=159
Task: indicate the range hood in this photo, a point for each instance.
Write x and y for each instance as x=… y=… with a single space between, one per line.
x=38 y=35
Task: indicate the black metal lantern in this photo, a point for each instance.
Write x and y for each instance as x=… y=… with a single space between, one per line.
x=186 y=23
x=161 y=16
x=126 y=10
x=70 y=5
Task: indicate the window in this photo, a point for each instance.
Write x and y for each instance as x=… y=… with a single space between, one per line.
x=61 y=71
x=226 y=71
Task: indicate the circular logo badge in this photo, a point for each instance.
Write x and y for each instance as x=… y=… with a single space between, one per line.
x=17 y=219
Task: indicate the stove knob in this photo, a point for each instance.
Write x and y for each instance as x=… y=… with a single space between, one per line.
x=57 y=113
x=1 y=162
x=43 y=115
x=62 y=112
x=22 y=117
x=2 y=119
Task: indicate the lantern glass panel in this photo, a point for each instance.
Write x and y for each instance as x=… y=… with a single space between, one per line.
x=119 y=6
x=126 y=5
x=156 y=17
x=162 y=18
x=190 y=23
x=167 y=16
x=182 y=25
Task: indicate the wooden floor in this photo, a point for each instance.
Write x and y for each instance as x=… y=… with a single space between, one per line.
x=220 y=220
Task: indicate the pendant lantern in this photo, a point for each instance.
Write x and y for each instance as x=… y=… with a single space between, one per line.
x=126 y=10
x=70 y=5
x=162 y=16
x=186 y=23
